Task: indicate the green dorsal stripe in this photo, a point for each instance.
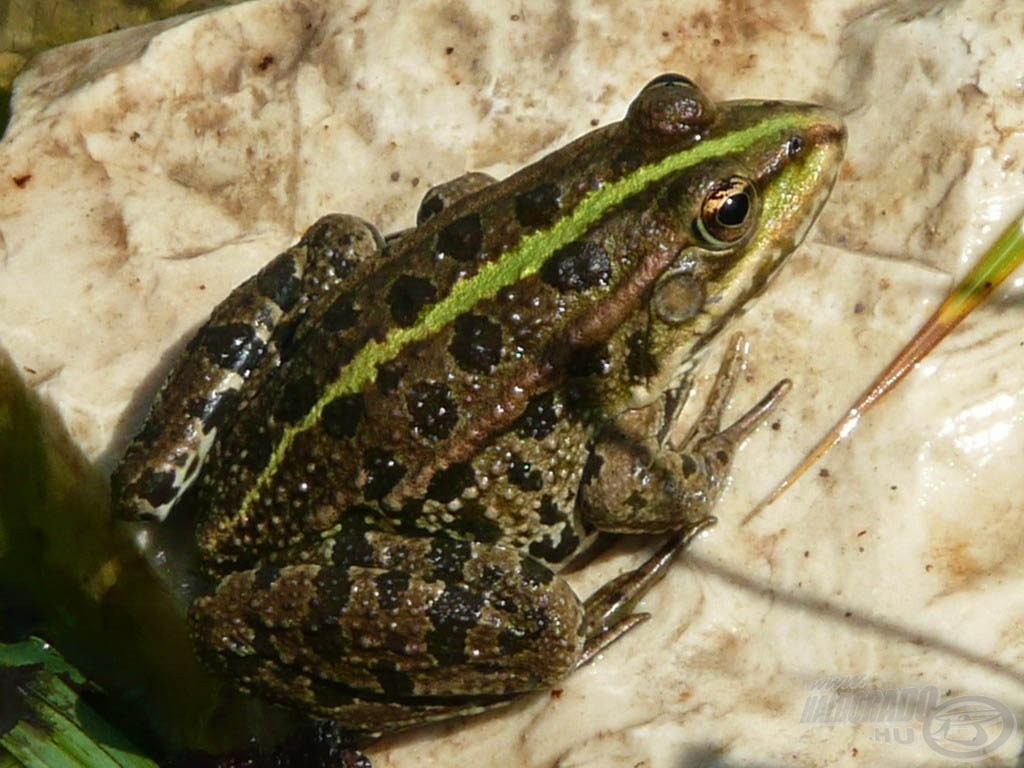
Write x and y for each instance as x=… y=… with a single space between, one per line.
x=525 y=259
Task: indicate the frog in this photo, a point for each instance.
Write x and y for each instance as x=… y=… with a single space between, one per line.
x=392 y=447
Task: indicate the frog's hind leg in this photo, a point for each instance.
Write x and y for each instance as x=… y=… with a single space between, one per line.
x=382 y=631
x=251 y=325
x=608 y=611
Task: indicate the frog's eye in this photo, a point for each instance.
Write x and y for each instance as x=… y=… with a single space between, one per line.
x=669 y=107
x=727 y=213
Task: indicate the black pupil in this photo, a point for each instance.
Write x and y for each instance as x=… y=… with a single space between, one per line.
x=734 y=210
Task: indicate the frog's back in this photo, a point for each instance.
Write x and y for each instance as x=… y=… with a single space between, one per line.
x=450 y=389
x=453 y=389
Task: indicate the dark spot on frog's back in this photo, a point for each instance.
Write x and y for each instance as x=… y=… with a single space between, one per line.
x=546 y=549
x=535 y=572
x=340 y=417
x=450 y=483
x=230 y=346
x=578 y=266
x=342 y=314
x=264 y=578
x=538 y=207
x=408 y=295
x=589 y=361
x=157 y=488
x=296 y=399
x=476 y=344
x=391 y=587
x=448 y=557
x=383 y=472
x=522 y=475
x=263 y=647
x=688 y=466
x=628 y=159
x=539 y=418
x=513 y=641
x=454 y=613
x=429 y=208
x=351 y=544
x=592 y=469
x=461 y=240
x=331 y=589
x=327 y=694
x=433 y=411
x=549 y=512
x=205 y=408
x=389 y=376
x=409 y=518
x=530 y=626
x=393 y=683
x=472 y=523
x=279 y=281
x=256 y=454
x=284 y=336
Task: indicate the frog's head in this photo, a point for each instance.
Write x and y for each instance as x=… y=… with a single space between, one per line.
x=738 y=186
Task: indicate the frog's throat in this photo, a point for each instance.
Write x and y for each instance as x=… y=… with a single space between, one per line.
x=519 y=262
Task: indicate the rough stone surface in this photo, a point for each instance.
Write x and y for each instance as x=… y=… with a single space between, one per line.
x=147 y=172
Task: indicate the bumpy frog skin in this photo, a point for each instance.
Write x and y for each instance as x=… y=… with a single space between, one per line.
x=393 y=446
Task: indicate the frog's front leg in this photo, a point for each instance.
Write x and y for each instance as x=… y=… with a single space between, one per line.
x=246 y=334
x=637 y=485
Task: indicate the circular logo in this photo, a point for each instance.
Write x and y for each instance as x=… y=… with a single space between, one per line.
x=969 y=727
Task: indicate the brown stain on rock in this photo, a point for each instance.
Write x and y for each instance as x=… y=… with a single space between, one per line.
x=969 y=555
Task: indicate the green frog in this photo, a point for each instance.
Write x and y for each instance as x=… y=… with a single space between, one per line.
x=392 y=446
